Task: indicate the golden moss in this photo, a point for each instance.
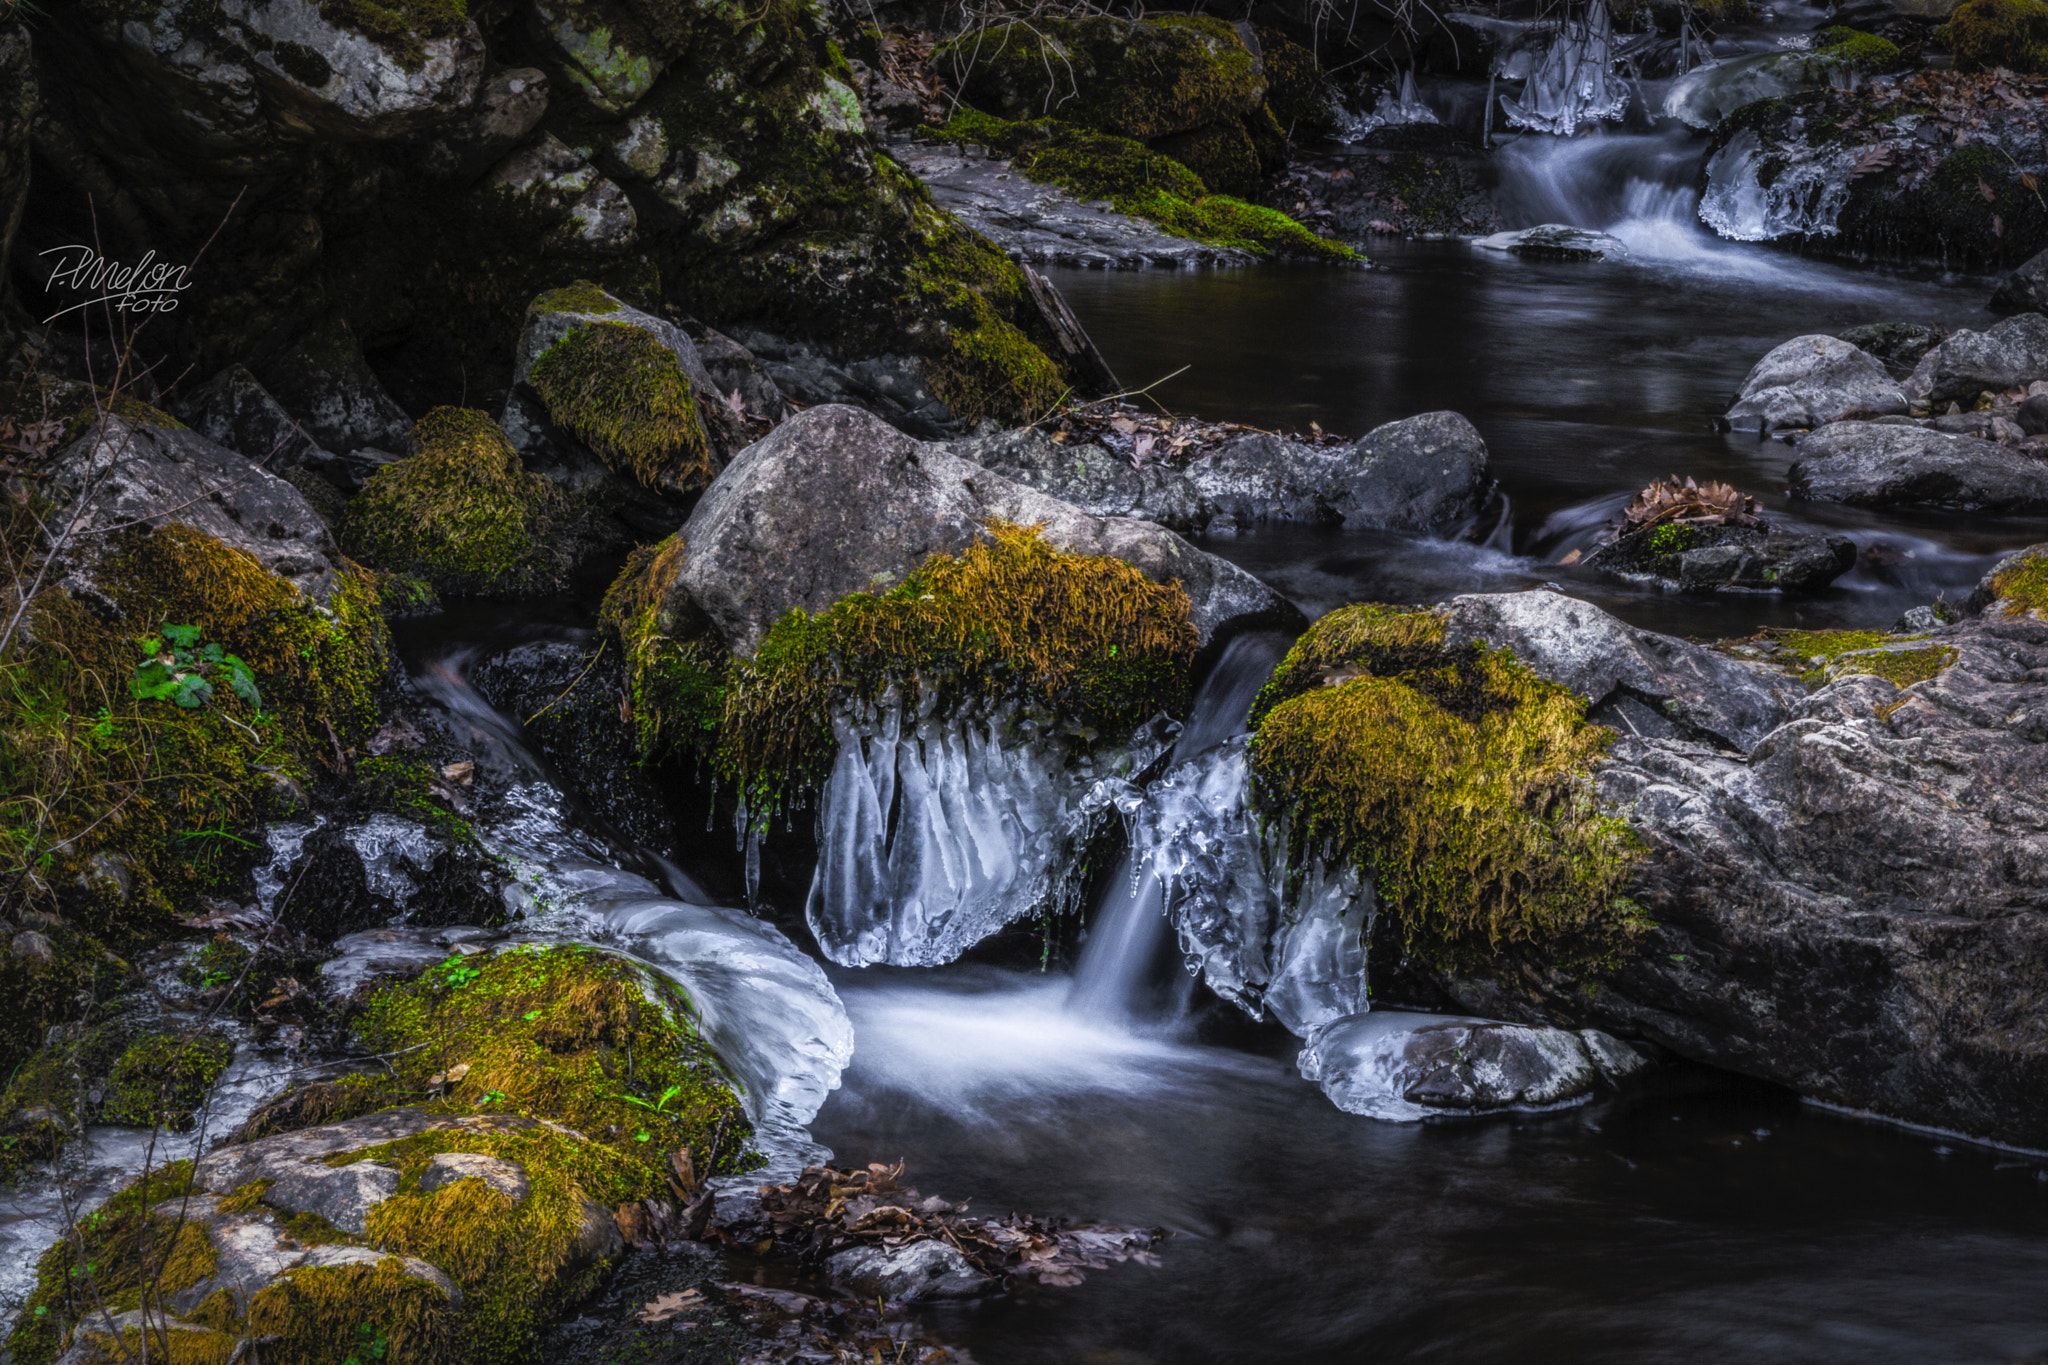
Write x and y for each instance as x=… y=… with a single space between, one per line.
x=163 y=1079
x=574 y=1035
x=1458 y=779
x=2023 y=585
x=622 y=393
x=1086 y=638
x=1986 y=34
x=583 y=297
x=461 y=512
x=676 y=672
x=1825 y=655
x=320 y=1314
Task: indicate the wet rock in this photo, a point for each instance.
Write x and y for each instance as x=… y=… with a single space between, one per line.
x=1554 y=242
x=1090 y=477
x=892 y=386
x=1898 y=344
x=2025 y=290
x=135 y=471
x=1388 y=1064
x=1728 y=558
x=2006 y=355
x=762 y=541
x=1813 y=380
x=2032 y=416
x=238 y=412
x=253 y=1251
x=1868 y=464
x=921 y=1270
x=1637 y=680
x=737 y=372
x=334 y=396
x=1418 y=474
x=1413 y=180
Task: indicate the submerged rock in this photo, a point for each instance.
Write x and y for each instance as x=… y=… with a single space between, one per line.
x=1555 y=242
x=1810 y=381
x=1391 y=1065
x=1867 y=464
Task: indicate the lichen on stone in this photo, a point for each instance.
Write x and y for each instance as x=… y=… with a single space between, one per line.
x=460 y=512
x=1458 y=779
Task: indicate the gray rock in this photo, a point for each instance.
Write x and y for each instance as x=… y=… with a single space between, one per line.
x=1421 y=473
x=1900 y=345
x=253 y=1251
x=586 y=212
x=1636 y=680
x=892 y=386
x=1090 y=477
x=918 y=1270
x=603 y=51
x=1922 y=620
x=2032 y=416
x=1867 y=464
x=1555 y=242
x=326 y=385
x=736 y=370
x=836 y=501
x=1045 y=224
x=235 y=410
x=1731 y=559
x=348 y=85
x=2025 y=290
x=343 y=1195
x=506 y=1177
x=2008 y=354
x=1617 y=1060
x=1390 y=1064
x=1813 y=380
x=122 y=472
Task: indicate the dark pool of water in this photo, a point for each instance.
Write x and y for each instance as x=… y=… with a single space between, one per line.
x=1698 y=1218
x=1587 y=381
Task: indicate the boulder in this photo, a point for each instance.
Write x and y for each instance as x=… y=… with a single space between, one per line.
x=917 y=1270
x=1728 y=558
x=1869 y=464
x=330 y=390
x=1423 y=473
x=1856 y=906
x=1638 y=681
x=1813 y=380
x=2006 y=355
x=2025 y=290
x=767 y=536
x=135 y=469
x=1090 y=477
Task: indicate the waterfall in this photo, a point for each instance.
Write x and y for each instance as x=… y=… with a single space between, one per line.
x=1202 y=863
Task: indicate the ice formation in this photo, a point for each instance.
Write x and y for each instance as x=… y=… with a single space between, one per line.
x=937 y=830
x=1752 y=196
x=1570 y=82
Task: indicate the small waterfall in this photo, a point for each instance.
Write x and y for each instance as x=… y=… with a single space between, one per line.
x=1129 y=926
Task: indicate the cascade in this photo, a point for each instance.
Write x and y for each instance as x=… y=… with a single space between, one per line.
x=1202 y=862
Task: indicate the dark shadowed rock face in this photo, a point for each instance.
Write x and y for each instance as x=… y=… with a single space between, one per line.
x=836 y=501
x=1855 y=904
x=1875 y=464
x=2025 y=290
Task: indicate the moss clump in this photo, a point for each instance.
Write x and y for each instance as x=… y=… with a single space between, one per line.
x=574 y=1035
x=1295 y=92
x=325 y=1314
x=1136 y=180
x=582 y=298
x=461 y=512
x=1825 y=655
x=164 y=1078
x=1458 y=779
x=623 y=394
x=2022 y=584
x=1984 y=34
x=1846 y=49
x=1222 y=154
x=1139 y=79
x=108 y=1073
x=1087 y=639
x=115 y=802
x=676 y=673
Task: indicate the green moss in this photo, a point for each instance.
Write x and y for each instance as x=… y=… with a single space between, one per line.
x=402 y=28
x=367 y=1311
x=1825 y=655
x=1458 y=779
x=676 y=673
x=1986 y=34
x=574 y=1035
x=1849 y=49
x=621 y=392
x=164 y=1078
x=1139 y=79
x=1221 y=154
x=406 y=787
x=1136 y=180
x=2023 y=585
x=582 y=298
x=1295 y=92
x=461 y=512
x=1087 y=640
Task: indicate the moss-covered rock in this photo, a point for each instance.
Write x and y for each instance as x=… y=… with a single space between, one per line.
x=1141 y=79
x=1458 y=779
x=460 y=512
x=1986 y=34
x=116 y=1073
x=2017 y=585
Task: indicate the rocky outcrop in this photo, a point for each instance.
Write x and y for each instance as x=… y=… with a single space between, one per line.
x=766 y=537
x=140 y=469
x=1870 y=464
x=1851 y=897
x=1810 y=381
